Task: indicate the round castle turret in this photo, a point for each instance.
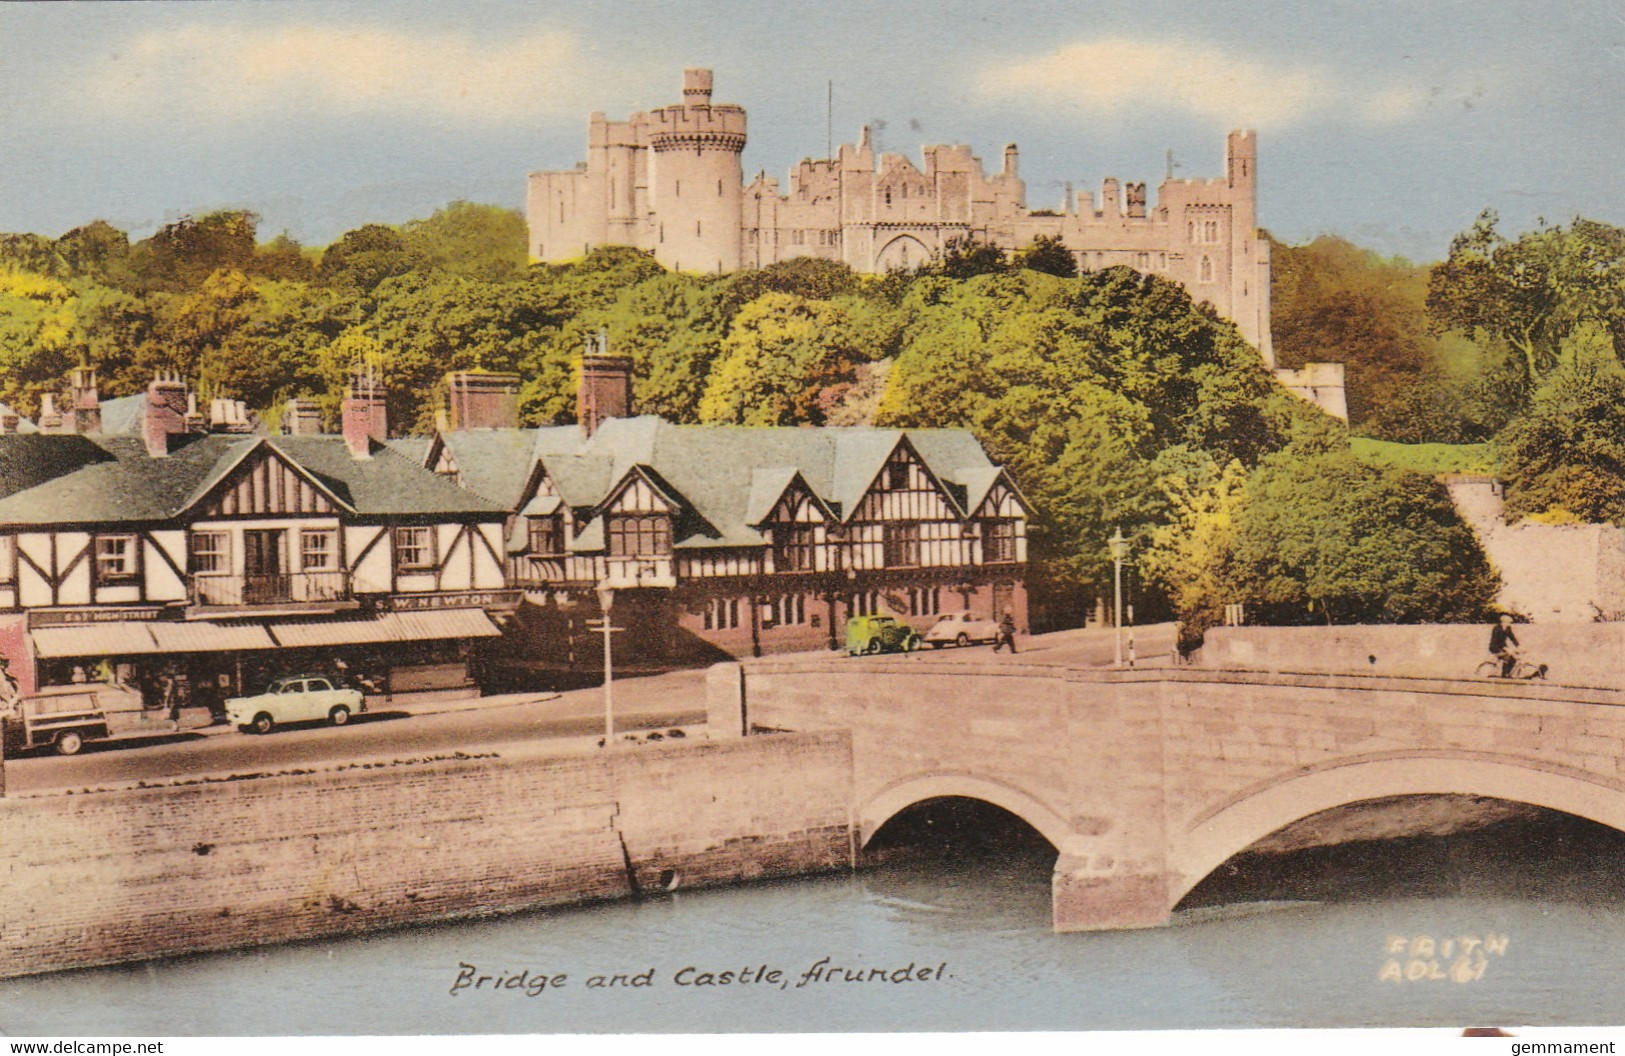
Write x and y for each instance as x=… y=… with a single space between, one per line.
x=696 y=183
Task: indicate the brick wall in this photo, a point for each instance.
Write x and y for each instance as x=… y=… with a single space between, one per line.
x=103 y=877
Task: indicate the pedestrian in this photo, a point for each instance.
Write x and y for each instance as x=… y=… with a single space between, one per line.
x=1007 y=633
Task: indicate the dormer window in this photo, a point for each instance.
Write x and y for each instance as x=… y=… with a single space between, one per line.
x=547 y=536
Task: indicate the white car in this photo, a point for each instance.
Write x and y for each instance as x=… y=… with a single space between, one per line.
x=295 y=698
x=961 y=628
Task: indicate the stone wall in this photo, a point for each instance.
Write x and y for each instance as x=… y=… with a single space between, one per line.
x=109 y=876
x=1584 y=654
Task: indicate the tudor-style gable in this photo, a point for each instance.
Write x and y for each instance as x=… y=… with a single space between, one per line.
x=265 y=483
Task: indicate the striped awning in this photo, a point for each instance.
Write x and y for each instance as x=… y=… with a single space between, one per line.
x=127 y=638
x=197 y=636
x=388 y=627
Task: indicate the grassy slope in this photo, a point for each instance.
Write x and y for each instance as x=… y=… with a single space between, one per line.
x=1431 y=459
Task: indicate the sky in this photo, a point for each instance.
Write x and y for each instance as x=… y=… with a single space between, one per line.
x=1390 y=124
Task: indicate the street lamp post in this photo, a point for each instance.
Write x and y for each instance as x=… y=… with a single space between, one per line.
x=606 y=599
x=1119 y=547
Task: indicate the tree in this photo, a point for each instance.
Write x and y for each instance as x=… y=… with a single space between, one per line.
x=284 y=259
x=365 y=257
x=780 y=356
x=484 y=242
x=181 y=255
x=1533 y=293
x=966 y=257
x=1049 y=255
x=1324 y=538
x=95 y=251
x=1565 y=456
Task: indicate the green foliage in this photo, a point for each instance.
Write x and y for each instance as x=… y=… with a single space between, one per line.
x=1567 y=453
x=181 y=255
x=1049 y=255
x=966 y=258
x=786 y=360
x=1327 y=539
x=484 y=242
x=1428 y=459
x=1533 y=293
x=365 y=257
x=1188 y=555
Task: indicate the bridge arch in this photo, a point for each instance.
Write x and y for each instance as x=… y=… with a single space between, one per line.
x=1219 y=835
x=900 y=795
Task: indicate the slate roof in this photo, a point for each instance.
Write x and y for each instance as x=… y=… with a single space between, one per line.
x=124 y=415
x=69 y=479
x=728 y=478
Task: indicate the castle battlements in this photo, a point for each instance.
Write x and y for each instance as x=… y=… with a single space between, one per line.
x=669 y=181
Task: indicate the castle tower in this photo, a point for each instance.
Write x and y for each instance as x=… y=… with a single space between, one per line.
x=696 y=185
x=1250 y=268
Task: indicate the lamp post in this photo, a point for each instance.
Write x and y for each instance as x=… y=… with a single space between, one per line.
x=606 y=599
x=1119 y=547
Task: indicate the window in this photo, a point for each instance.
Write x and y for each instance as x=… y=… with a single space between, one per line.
x=788 y=610
x=1205 y=271
x=211 y=553
x=999 y=542
x=8 y=558
x=863 y=604
x=897 y=476
x=414 y=549
x=924 y=601
x=721 y=614
x=794 y=548
x=547 y=535
x=639 y=536
x=318 y=551
x=902 y=545
x=116 y=557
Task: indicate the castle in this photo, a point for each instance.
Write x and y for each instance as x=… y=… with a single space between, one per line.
x=670 y=181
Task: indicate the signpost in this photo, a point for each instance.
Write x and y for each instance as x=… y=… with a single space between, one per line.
x=1119 y=547
x=606 y=600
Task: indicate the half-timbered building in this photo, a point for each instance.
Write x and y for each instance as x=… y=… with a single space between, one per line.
x=722 y=540
x=206 y=562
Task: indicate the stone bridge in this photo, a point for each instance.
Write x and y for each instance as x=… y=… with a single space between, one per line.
x=1145 y=781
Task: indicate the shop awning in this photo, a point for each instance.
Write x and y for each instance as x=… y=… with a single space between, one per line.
x=127 y=638
x=197 y=636
x=388 y=627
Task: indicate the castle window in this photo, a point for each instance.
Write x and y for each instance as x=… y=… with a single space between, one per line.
x=696 y=227
x=1190 y=230
x=1205 y=271
x=1142 y=261
x=679 y=191
x=719 y=188
x=888 y=197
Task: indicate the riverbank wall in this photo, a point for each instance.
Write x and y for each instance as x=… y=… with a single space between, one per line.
x=103 y=877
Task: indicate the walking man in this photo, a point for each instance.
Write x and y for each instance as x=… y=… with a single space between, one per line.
x=1007 y=633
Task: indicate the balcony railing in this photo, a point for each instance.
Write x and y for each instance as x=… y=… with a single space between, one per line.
x=280 y=589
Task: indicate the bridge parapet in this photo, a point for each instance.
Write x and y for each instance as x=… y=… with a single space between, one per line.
x=1145 y=781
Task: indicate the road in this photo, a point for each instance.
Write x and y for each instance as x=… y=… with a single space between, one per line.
x=652 y=702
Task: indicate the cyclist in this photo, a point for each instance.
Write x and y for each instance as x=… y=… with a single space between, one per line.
x=1500 y=635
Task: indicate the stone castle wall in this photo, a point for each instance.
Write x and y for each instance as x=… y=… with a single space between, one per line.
x=669 y=181
x=108 y=876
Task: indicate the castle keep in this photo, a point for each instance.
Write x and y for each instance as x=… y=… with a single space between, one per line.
x=670 y=181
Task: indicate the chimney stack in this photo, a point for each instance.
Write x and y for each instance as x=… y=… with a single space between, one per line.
x=365 y=418
x=606 y=385
x=302 y=417
x=165 y=417
x=482 y=401
x=87 y=409
x=50 y=419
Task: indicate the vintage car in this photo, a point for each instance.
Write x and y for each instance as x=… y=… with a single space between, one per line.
x=295 y=698
x=961 y=628
x=879 y=634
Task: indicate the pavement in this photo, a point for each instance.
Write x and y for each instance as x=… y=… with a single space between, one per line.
x=407 y=707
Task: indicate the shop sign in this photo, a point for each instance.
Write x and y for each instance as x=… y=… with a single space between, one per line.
x=72 y=617
x=466 y=599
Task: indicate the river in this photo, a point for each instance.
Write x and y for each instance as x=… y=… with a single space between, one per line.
x=1519 y=924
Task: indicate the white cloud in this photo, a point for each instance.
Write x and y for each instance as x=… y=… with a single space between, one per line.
x=1123 y=77
x=232 y=73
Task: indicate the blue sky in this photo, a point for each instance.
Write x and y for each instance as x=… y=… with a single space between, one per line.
x=1392 y=124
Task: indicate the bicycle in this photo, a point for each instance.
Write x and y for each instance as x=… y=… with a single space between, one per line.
x=1522 y=670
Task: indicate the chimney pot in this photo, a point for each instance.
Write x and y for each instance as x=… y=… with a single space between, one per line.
x=606 y=388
